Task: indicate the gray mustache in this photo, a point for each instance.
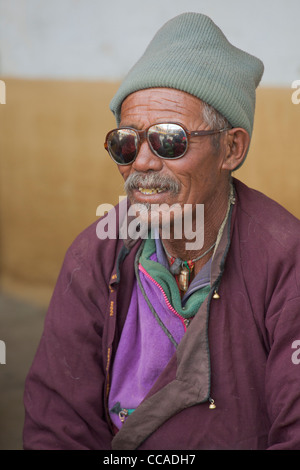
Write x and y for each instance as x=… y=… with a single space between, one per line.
x=151 y=180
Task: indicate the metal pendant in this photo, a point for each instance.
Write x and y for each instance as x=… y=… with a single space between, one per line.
x=183 y=279
x=216 y=295
x=212 y=405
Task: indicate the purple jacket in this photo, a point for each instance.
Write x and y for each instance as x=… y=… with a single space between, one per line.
x=240 y=349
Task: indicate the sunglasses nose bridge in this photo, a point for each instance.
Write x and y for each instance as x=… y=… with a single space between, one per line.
x=146 y=159
x=142 y=136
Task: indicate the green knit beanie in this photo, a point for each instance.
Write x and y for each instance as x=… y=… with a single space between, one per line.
x=190 y=53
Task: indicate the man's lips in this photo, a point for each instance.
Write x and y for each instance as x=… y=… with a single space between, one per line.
x=150 y=191
x=150 y=185
x=149 y=195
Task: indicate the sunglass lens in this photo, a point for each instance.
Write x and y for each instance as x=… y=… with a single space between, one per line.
x=167 y=140
x=122 y=146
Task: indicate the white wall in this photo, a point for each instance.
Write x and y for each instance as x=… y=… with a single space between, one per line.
x=101 y=39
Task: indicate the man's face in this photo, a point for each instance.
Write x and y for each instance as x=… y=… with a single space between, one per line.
x=198 y=175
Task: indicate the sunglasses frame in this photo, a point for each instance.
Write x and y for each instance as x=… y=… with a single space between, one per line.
x=142 y=135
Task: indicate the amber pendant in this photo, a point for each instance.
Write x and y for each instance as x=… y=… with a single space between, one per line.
x=183 y=279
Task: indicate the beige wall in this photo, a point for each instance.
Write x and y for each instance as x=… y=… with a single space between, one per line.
x=55 y=171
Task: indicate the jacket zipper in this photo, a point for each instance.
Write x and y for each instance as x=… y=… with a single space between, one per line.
x=184 y=321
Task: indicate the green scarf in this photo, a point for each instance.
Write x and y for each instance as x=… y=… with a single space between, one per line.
x=168 y=283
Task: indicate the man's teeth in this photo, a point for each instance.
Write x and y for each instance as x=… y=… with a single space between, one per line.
x=151 y=190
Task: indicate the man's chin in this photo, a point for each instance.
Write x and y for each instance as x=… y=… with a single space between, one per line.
x=156 y=217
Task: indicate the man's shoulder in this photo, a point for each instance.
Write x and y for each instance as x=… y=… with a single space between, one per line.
x=267 y=215
x=268 y=245
x=100 y=240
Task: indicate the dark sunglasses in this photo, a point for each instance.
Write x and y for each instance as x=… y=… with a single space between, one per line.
x=167 y=140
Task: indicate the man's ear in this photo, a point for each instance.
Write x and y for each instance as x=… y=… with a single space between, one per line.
x=238 y=141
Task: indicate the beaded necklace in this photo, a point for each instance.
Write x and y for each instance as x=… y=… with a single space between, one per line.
x=182 y=269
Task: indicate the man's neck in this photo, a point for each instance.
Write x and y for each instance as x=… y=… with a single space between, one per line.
x=214 y=214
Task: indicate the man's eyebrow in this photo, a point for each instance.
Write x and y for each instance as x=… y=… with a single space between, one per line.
x=134 y=126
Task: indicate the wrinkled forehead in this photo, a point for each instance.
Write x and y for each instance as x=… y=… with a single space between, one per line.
x=160 y=104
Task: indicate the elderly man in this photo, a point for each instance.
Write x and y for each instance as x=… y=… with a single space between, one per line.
x=151 y=345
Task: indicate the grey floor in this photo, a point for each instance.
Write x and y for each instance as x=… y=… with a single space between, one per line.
x=20 y=328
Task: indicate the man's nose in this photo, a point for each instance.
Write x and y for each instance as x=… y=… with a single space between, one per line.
x=146 y=160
